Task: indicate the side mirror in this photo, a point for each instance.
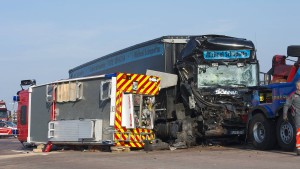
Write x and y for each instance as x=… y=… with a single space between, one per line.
x=28 y=82
x=293 y=50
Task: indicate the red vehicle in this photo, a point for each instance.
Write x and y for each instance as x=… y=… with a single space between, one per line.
x=3 y=111
x=22 y=125
x=8 y=128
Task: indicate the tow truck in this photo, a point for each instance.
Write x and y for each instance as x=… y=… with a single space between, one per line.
x=266 y=125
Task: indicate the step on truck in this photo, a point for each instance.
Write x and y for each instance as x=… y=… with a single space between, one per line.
x=213 y=95
x=102 y=110
x=267 y=127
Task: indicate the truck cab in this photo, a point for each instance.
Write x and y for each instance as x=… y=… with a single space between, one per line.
x=3 y=111
x=22 y=98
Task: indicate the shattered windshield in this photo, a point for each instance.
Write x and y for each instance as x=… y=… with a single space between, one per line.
x=227 y=75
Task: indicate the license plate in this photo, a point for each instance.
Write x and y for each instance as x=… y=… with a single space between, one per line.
x=236 y=132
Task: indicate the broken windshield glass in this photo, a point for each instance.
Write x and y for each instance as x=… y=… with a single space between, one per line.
x=227 y=75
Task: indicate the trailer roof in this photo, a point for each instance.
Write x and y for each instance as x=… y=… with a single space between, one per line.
x=163 y=39
x=108 y=75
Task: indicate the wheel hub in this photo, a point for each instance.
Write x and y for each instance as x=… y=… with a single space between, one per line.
x=286 y=132
x=259 y=132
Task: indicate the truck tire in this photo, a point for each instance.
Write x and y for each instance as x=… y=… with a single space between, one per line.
x=262 y=132
x=293 y=50
x=286 y=134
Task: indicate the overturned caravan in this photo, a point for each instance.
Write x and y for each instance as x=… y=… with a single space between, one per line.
x=110 y=109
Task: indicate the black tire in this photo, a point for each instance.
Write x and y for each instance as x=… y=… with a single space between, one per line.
x=293 y=50
x=262 y=132
x=286 y=133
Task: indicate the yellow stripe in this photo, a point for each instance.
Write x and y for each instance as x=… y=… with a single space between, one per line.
x=127 y=84
x=118 y=125
x=120 y=75
x=117 y=101
x=139 y=78
x=119 y=136
x=132 y=136
x=118 y=98
x=145 y=86
x=142 y=83
x=155 y=91
x=122 y=130
x=149 y=90
x=121 y=82
x=118 y=116
x=131 y=144
x=133 y=77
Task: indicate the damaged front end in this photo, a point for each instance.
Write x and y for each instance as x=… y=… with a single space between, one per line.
x=215 y=75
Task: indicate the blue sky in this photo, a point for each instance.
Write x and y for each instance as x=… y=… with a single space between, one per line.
x=42 y=39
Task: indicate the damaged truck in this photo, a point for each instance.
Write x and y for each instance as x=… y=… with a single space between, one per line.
x=212 y=96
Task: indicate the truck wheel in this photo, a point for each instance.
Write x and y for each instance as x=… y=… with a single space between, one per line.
x=293 y=50
x=262 y=132
x=286 y=134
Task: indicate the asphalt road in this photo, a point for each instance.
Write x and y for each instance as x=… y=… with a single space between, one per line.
x=12 y=155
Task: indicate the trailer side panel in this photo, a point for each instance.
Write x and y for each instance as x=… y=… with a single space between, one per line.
x=88 y=107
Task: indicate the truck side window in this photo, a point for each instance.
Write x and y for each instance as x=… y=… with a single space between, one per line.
x=105 y=90
x=23 y=115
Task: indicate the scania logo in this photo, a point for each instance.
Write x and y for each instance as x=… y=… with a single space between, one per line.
x=227 y=92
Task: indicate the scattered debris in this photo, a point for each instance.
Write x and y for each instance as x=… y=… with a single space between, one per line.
x=118 y=149
x=39 y=148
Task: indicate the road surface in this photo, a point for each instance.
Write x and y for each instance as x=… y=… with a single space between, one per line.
x=12 y=155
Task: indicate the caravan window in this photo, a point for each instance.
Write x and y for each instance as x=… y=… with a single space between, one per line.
x=49 y=93
x=69 y=91
x=105 y=90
